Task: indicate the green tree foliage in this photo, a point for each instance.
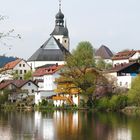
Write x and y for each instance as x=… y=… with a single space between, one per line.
x=134 y=92
x=114 y=103
x=81 y=69
x=4 y=96
x=100 y=64
x=15 y=75
x=28 y=75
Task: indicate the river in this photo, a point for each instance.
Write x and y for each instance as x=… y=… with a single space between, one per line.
x=68 y=125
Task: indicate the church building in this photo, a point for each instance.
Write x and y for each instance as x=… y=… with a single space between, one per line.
x=54 y=50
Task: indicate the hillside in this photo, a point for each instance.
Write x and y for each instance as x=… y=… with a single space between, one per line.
x=5 y=59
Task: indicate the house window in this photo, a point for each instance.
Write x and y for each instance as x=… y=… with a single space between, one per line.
x=19 y=65
x=59 y=40
x=25 y=71
x=120 y=83
x=33 y=91
x=20 y=78
x=23 y=65
x=20 y=71
x=29 y=84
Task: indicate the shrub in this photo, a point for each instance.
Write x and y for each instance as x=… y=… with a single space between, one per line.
x=103 y=103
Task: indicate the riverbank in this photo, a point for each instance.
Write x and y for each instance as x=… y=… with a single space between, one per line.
x=131 y=110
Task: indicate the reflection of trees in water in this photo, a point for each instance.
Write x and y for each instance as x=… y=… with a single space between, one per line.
x=68 y=125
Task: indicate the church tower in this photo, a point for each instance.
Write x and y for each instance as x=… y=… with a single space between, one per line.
x=60 y=31
x=56 y=48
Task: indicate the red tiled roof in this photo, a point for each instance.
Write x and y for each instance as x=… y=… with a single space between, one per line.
x=47 y=70
x=12 y=64
x=124 y=55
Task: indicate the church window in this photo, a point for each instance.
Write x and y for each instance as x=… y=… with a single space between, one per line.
x=65 y=41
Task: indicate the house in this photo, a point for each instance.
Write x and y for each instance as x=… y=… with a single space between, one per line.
x=19 y=88
x=104 y=53
x=126 y=57
x=123 y=74
x=46 y=79
x=19 y=67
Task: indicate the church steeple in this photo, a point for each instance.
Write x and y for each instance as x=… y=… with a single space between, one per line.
x=60 y=31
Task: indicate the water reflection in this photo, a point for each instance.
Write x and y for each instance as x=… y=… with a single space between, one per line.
x=66 y=125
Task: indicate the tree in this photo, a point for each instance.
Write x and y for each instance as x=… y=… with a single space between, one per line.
x=80 y=69
x=134 y=92
x=100 y=64
x=7 y=34
x=28 y=75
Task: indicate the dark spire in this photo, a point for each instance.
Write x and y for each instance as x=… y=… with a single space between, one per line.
x=59 y=16
x=60 y=5
x=59 y=24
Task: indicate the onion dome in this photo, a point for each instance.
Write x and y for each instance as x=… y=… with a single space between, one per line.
x=59 y=15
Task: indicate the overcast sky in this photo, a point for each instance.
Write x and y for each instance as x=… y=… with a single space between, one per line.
x=114 y=23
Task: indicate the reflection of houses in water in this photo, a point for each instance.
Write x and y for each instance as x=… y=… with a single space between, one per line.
x=66 y=121
x=120 y=134
x=44 y=126
x=5 y=133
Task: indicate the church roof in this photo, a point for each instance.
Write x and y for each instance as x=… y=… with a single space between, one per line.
x=51 y=50
x=60 y=30
x=104 y=52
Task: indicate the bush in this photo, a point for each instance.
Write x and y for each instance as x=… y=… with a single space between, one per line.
x=103 y=103
x=4 y=97
x=134 y=92
x=118 y=102
x=114 y=103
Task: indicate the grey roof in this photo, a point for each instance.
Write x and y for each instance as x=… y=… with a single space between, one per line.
x=51 y=50
x=104 y=52
x=60 y=30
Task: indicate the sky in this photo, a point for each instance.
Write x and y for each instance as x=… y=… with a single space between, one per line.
x=113 y=23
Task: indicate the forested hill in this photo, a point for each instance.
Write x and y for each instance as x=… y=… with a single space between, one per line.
x=5 y=59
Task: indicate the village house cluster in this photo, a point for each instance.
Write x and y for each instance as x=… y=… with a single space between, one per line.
x=47 y=62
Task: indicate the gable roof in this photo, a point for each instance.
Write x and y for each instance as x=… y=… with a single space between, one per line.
x=104 y=52
x=5 y=84
x=121 y=67
x=124 y=55
x=51 y=50
x=12 y=64
x=17 y=83
x=47 y=70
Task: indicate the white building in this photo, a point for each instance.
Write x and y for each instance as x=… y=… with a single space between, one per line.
x=19 y=67
x=46 y=82
x=123 y=74
x=55 y=48
x=19 y=88
x=126 y=57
